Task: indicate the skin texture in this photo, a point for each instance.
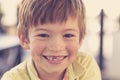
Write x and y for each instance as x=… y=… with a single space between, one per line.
x=53 y=46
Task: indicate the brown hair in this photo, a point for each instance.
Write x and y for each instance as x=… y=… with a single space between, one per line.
x=34 y=12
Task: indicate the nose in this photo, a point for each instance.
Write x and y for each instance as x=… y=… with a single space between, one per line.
x=56 y=44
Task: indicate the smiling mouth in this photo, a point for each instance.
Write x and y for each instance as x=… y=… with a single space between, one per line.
x=55 y=59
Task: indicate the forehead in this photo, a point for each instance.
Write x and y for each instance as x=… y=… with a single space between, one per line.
x=70 y=23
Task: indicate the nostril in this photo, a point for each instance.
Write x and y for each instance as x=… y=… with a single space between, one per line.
x=56 y=48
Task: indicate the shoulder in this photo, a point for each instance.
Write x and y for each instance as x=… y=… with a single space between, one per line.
x=90 y=65
x=17 y=72
x=85 y=59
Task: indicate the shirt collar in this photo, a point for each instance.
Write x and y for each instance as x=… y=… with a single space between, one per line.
x=75 y=70
x=31 y=70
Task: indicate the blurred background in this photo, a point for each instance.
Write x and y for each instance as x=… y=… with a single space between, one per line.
x=102 y=39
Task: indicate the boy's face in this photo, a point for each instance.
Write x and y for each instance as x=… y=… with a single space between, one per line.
x=54 y=46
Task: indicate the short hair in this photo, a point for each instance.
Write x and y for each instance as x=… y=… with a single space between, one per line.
x=35 y=12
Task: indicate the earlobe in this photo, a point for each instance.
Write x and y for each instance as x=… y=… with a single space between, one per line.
x=23 y=41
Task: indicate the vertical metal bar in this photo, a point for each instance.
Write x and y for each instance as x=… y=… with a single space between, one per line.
x=101 y=58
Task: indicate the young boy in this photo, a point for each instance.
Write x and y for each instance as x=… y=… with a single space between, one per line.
x=53 y=30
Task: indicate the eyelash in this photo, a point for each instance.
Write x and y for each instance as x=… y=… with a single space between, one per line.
x=44 y=35
x=69 y=35
x=65 y=35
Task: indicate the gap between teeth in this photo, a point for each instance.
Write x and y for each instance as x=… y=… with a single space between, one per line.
x=55 y=58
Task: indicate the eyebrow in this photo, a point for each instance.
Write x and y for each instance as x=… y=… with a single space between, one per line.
x=71 y=30
x=42 y=29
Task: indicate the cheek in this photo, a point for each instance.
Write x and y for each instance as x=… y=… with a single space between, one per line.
x=73 y=48
x=37 y=48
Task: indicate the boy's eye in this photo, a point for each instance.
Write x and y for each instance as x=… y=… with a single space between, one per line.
x=68 y=35
x=43 y=35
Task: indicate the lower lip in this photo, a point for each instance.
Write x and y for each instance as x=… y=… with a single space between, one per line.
x=56 y=61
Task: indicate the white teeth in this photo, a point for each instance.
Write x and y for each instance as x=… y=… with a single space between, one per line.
x=54 y=58
x=49 y=58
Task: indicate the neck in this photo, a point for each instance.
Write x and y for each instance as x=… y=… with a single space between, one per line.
x=44 y=75
x=51 y=76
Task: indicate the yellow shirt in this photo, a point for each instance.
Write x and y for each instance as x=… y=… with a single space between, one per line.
x=84 y=68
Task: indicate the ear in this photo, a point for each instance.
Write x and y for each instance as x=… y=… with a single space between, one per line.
x=23 y=41
x=80 y=43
